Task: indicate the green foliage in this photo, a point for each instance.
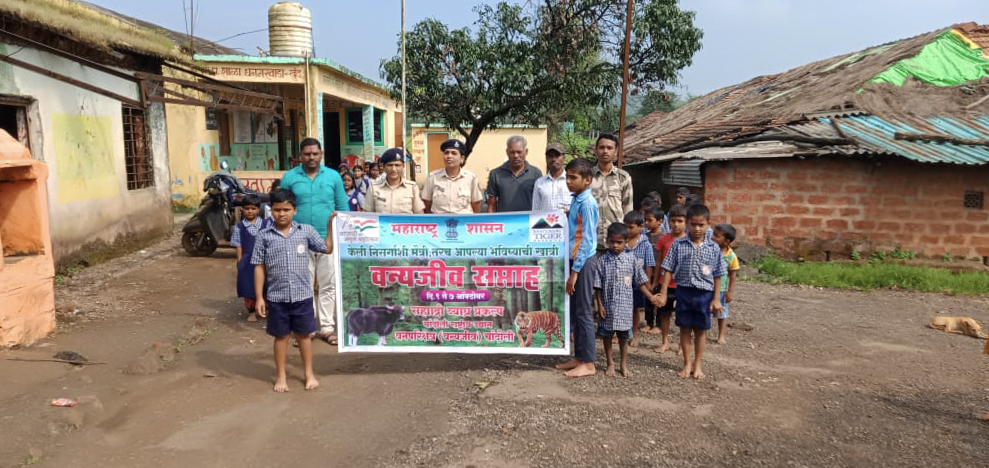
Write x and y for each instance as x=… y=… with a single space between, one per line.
x=946 y=257
x=855 y=255
x=875 y=275
x=523 y=63
x=902 y=254
x=879 y=256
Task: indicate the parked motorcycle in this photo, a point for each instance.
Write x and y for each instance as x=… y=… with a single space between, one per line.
x=214 y=221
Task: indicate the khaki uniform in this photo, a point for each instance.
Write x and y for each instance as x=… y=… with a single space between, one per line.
x=613 y=192
x=403 y=199
x=451 y=195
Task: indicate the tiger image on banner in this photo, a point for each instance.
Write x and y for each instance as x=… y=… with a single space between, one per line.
x=527 y=323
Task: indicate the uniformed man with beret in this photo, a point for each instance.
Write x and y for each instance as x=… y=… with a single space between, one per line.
x=452 y=189
x=394 y=194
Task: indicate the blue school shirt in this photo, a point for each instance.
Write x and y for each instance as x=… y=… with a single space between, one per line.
x=694 y=267
x=583 y=217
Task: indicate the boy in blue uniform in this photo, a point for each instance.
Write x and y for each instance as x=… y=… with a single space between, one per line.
x=642 y=249
x=281 y=270
x=583 y=218
x=619 y=275
x=697 y=266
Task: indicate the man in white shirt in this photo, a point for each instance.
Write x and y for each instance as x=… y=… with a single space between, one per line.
x=551 y=192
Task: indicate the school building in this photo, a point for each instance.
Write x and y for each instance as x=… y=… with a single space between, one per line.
x=879 y=149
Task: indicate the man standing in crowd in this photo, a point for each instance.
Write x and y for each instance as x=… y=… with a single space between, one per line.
x=551 y=192
x=612 y=187
x=318 y=192
x=510 y=185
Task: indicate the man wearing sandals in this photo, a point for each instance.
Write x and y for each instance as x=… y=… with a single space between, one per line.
x=319 y=192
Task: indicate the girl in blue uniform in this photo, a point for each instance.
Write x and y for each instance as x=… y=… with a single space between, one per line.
x=243 y=237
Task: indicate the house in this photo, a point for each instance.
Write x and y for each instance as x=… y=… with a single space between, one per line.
x=488 y=152
x=879 y=149
x=81 y=88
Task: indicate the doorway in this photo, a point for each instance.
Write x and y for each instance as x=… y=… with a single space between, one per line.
x=331 y=139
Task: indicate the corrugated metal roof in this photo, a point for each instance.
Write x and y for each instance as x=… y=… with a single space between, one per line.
x=763 y=149
x=876 y=135
x=684 y=172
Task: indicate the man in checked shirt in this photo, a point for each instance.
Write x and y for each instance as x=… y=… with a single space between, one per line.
x=696 y=264
x=281 y=270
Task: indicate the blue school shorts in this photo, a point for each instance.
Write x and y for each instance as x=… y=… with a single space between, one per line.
x=638 y=300
x=693 y=308
x=291 y=317
x=623 y=335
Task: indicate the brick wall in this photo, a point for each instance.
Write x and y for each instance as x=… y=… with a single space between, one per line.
x=805 y=207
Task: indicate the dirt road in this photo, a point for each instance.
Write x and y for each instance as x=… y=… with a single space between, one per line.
x=825 y=378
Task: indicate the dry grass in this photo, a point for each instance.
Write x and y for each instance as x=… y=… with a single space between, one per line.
x=87 y=25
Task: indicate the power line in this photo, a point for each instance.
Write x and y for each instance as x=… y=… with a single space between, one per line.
x=241 y=34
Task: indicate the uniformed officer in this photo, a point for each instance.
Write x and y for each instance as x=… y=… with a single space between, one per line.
x=452 y=189
x=394 y=194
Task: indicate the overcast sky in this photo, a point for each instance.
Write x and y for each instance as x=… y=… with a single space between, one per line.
x=742 y=38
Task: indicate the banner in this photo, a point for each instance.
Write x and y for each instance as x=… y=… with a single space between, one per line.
x=479 y=283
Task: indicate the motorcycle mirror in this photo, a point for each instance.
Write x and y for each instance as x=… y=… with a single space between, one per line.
x=224 y=165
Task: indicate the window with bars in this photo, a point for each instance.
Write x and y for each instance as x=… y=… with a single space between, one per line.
x=974 y=200
x=137 y=151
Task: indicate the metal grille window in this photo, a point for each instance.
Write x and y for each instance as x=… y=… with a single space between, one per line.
x=137 y=152
x=974 y=200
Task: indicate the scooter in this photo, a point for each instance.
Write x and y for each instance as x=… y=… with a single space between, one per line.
x=217 y=213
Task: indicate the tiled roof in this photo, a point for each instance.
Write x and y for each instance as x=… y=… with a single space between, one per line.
x=808 y=98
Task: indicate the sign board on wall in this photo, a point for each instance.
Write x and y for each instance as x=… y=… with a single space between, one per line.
x=368 y=123
x=479 y=283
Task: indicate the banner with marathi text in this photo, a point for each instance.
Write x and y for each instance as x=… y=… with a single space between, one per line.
x=479 y=283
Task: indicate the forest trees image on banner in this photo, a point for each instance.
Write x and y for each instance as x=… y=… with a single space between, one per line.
x=479 y=283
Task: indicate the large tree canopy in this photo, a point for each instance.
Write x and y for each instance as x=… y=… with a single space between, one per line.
x=525 y=62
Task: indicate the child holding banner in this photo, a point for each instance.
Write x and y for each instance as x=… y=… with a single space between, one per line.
x=583 y=221
x=281 y=270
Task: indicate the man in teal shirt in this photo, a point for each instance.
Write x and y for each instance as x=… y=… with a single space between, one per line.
x=319 y=192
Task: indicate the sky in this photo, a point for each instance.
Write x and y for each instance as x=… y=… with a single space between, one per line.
x=742 y=38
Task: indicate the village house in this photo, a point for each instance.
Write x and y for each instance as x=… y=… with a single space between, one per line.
x=85 y=90
x=882 y=149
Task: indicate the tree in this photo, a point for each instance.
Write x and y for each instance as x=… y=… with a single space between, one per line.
x=527 y=62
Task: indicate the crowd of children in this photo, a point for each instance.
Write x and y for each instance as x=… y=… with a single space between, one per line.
x=657 y=266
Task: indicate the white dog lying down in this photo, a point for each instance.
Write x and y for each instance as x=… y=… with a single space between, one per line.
x=961 y=325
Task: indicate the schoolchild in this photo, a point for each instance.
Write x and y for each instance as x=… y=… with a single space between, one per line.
x=678 y=224
x=355 y=199
x=619 y=276
x=243 y=237
x=281 y=271
x=638 y=244
x=724 y=235
x=583 y=218
x=653 y=220
x=698 y=267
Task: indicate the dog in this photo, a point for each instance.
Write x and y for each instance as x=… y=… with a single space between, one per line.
x=374 y=319
x=961 y=325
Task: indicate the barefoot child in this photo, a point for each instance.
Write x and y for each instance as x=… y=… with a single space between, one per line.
x=640 y=247
x=653 y=219
x=678 y=223
x=583 y=218
x=724 y=235
x=697 y=265
x=243 y=237
x=281 y=270
x=619 y=275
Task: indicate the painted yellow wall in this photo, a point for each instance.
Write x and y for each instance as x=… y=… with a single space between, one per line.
x=188 y=141
x=84 y=157
x=489 y=152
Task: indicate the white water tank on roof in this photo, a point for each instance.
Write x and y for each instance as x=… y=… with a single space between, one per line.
x=290 y=30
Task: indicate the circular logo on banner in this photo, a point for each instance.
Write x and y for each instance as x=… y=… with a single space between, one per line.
x=302 y=249
x=706 y=269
